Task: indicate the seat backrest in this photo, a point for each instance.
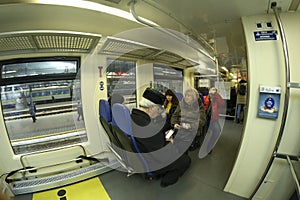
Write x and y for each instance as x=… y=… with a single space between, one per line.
x=104 y=110
x=122 y=119
x=105 y=119
x=179 y=96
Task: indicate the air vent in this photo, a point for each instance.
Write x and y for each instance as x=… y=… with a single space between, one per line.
x=47 y=41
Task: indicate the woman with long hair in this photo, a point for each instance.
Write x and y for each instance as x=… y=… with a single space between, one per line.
x=170 y=106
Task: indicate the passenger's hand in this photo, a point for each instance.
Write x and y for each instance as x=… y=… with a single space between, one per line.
x=177 y=126
x=186 y=125
x=170 y=139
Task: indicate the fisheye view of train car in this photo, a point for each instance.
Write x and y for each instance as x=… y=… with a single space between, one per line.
x=148 y=99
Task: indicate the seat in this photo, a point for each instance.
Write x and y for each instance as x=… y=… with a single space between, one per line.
x=179 y=96
x=122 y=128
x=106 y=119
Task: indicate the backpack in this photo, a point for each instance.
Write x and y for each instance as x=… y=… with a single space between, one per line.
x=242 y=90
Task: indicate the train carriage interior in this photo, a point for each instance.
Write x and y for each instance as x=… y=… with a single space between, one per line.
x=75 y=73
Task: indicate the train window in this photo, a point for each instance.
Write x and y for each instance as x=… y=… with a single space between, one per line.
x=29 y=129
x=39 y=69
x=167 y=78
x=121 y=79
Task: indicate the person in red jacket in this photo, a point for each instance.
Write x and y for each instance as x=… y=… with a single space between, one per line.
x=216 y=103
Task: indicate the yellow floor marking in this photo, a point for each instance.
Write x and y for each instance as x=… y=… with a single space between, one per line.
x=91 y=189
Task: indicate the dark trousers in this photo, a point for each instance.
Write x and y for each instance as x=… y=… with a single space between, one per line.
x=33 y=118
x=172 y=172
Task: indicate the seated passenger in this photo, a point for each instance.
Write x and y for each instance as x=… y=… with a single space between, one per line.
x=115 y=98
x=189 y=118
x=170 y=105
x=147 y=128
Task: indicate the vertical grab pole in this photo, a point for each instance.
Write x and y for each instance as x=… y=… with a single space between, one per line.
x=287 y=72
x=286 y=96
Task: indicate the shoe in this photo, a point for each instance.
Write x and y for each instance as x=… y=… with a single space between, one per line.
x=238 y=121
x=192 y=148
x=163 y=184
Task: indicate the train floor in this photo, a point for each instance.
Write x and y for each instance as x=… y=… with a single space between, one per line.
x=205 y=179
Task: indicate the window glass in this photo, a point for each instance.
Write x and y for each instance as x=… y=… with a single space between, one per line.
x=167 y=78
x=121 y=79
x=38 y=68
x=42 y=115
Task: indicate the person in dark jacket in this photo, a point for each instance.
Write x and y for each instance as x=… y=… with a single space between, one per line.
x=79 y=111
x=32 y=111
x=147 y=127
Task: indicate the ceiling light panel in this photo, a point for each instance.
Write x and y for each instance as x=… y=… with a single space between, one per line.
x=47 y=41
x=16 y=43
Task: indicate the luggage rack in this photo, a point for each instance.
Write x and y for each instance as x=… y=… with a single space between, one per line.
x=32 y=179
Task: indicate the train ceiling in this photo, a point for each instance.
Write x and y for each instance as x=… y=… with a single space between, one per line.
x=218 y=22
x=212 y=23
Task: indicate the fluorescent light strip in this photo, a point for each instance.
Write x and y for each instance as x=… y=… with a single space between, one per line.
x=9 y=72
x=294 y=5
x=93 y=6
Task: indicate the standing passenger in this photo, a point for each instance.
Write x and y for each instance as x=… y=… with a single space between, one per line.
x=189 y=118
x=79 y=111
x=216 y=103
x=241 y=100
x=32 y=111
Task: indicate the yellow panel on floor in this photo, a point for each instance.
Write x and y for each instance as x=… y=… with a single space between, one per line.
x=87 y=190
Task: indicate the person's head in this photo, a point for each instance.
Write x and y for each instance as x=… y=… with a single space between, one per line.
x=171 y=97
x=242 y=81
x=212 y=90
x=116 y=98
x=152 y=102
x=191 y=95
x=152 y=109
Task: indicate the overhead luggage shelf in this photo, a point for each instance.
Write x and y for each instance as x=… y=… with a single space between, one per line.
x=130 y=49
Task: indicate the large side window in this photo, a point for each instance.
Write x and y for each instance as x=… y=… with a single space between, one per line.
x=167 y=78
x=39 y=99
x=121 y=79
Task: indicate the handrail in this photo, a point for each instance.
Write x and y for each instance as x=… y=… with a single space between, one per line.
x=286 y=96
x=294 y=175
x=30 y=169
x=45 y=151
